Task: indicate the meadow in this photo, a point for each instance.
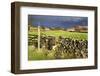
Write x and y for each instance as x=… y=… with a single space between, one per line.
x=57 y=33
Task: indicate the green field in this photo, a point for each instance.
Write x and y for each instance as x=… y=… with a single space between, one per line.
x=57 y=33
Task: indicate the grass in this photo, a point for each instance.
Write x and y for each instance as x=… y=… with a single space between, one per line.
x=57 y=33
x=34 y=54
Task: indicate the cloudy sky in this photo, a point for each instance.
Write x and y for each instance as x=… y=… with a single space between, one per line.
x=57 y=21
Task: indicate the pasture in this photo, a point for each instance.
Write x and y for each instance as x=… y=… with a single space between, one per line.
x=57 y=33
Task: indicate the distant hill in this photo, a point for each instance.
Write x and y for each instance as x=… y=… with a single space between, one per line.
x=78 y=28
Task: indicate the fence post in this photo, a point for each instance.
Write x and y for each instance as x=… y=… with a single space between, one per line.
x=38 y=37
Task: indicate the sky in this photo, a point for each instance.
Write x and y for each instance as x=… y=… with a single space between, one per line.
x=57 y=21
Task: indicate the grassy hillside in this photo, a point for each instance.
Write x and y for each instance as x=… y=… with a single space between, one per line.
x=57 y=33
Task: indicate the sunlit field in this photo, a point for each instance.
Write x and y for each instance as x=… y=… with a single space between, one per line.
x=57 y=33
